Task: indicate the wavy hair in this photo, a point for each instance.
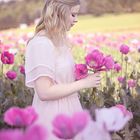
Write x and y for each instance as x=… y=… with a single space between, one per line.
x=54 y=19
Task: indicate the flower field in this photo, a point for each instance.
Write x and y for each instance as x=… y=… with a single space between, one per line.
x=116 y=55
x=120 y=81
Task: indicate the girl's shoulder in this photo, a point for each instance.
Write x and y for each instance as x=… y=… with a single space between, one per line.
x=40 y=40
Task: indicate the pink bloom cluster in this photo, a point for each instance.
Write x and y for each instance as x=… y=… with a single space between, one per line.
x=124 y=49
x=22 y=69
x=11 y=74
x=100 y=40
x=117 y=67
x=34 y=132
x=78 y=126
x=66 y=127
x=95 y=61
x=7 y=58
x=131 y=83
x=81 y=71
x=4 y=47
x=16 y=116
x=121 y=79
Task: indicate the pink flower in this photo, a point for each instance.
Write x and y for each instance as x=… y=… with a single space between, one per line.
x=113 y=118
x=124 y=49
x=95 y=59
x=81 y=71
x=7 y=58
x=121 y=79
x=117 y=67
x=109 y=62
x=11 y=75
x=131 y=83
x=66 y=127
x=35 y=132
x=79 y=121
x=16 y=116
x=11 y=134
x=22 y=69
x=124 y=110
x=4 y=47
x=63 y=127
x=89 y=60
x=80 y=41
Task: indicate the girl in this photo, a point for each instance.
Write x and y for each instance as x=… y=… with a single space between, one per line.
x=49 y=65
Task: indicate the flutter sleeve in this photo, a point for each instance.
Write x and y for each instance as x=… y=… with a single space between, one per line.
x=39 y=60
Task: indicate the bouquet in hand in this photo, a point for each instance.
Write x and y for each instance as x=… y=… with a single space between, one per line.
x=94 y=61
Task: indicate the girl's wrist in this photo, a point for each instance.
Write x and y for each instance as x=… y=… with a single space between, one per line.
x=82 y=83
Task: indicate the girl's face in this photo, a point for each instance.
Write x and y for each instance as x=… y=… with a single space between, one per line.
x=73 y=16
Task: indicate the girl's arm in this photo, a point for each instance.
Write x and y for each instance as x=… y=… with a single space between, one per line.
x=47 y=90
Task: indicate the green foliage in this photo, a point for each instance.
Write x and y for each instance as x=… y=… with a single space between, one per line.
x=19 y=12
x=13 y=93
x=113 y=6
x=111 y=92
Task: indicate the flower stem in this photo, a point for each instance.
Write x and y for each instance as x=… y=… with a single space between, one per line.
x=126 y=70
x=2 y=71
x=106 y=79
x=2 y=79
x=122 y=64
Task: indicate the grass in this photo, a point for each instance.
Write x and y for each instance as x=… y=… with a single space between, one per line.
x=105 y=23
x=108 y=23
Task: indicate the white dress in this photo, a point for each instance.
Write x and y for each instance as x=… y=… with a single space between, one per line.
x=41 y=59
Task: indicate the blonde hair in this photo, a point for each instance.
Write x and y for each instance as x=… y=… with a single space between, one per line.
x=54 y=19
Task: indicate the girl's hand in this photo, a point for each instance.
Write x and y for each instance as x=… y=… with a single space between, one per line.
x=92 y=80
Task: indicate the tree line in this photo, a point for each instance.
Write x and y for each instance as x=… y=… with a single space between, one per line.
x=13 y=13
